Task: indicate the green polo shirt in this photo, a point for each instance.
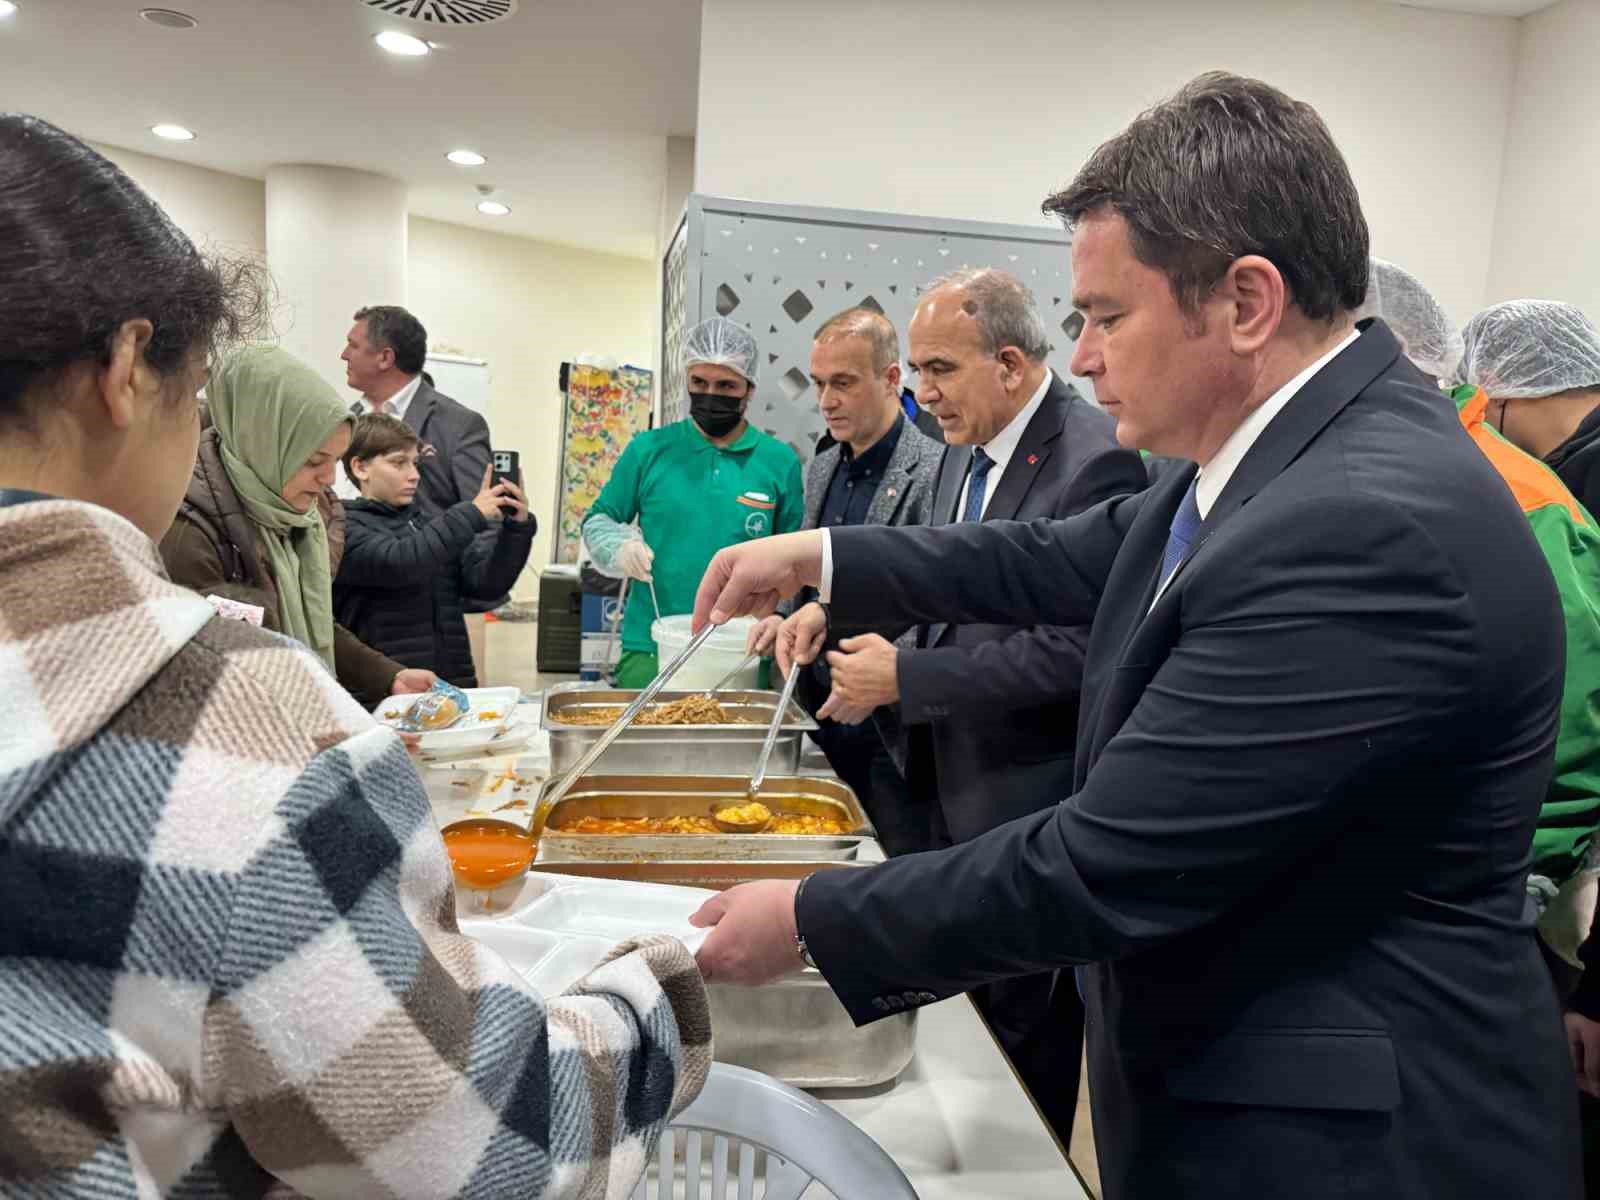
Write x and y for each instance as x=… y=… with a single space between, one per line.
x=691 y=499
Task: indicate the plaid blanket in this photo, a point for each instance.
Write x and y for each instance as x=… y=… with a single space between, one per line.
x=229 y=964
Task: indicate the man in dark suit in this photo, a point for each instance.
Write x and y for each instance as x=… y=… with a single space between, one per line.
x=383 y=355
x=879 y=471
x=1318 y=717
x=979 y=715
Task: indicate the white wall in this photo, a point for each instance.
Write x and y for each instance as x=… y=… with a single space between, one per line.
x=1545 y=242
x=934 y=107
x=524 y=305
x=527 y=306
x=225 y=212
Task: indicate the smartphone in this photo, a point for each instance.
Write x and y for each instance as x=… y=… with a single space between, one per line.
x=507 y=465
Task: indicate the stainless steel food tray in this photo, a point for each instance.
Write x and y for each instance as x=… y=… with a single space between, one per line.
x=684 y=795
x=797 y=1030
x=661 y=749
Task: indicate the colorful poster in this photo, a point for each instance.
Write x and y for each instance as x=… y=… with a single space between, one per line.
x=604 y=409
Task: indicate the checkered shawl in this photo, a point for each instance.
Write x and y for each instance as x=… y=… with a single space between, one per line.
x=229 y=963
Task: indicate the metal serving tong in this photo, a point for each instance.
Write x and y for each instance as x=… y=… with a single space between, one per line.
x=778 y=716
x=555 y=795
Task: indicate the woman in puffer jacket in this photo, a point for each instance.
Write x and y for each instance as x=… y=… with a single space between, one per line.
x=229 y=962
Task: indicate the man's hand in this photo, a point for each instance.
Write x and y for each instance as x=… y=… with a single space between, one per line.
x=753 y=942
x=1583 y=1041
x=865 y=676
x=410 y=681
x=754 y=577
x=634 y=559
x=763 y=635
x=800 y=638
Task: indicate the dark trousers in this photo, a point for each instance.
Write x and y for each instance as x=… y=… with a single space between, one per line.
x=1037 y=1019
x=858 y=756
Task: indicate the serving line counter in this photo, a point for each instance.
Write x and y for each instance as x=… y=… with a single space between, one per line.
x=956 y=1119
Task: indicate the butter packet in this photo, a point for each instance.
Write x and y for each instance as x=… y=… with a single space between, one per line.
x=440 y=707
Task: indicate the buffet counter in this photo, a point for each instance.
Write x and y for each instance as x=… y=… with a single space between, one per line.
x=956 y=1120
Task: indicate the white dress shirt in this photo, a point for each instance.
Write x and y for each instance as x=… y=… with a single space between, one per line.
x=999 y=448
x=1216 y=472
x=395 y=406
x=399 y=404
x=1002 y=446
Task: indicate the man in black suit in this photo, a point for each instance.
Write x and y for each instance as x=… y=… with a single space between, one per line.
x=979 y=715
x=383 y=355
x=1318 y=717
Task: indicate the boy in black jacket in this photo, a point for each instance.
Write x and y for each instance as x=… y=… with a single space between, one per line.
x=403 y=576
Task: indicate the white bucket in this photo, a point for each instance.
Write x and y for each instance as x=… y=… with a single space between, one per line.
x=723 y=651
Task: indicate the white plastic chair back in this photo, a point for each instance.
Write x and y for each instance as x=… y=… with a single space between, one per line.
x=770 y=1142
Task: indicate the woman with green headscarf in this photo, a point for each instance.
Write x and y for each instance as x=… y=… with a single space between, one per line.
x=259 y=524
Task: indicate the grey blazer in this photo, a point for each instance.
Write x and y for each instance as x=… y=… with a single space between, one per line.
x=904 y=497
x=905 y=492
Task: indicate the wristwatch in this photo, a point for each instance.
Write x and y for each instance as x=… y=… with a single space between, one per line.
x=799 y=938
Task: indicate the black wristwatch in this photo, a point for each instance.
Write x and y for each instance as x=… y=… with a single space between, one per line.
x=799 y=938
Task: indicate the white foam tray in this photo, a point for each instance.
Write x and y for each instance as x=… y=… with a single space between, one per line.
x=469 y=733
x=556 y=930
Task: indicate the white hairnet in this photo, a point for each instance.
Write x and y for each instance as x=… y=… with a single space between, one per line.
x=1424 y=329
x=722 y=343
x=1527 y=348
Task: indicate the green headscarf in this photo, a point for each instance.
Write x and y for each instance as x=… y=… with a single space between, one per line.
x=272 y=412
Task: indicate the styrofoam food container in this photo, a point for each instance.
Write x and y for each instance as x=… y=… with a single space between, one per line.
x=473 y=730
x=559 y=929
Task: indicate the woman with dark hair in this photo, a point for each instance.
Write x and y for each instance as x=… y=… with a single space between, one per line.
x=228 y=952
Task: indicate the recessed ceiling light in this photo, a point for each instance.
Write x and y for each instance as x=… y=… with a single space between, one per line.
x=173 y=133
x=7 y=8
x=493 y=208
x=466 y=158
x=168 y=18
x=402 y=44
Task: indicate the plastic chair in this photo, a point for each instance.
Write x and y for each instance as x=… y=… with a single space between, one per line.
x=748 y=1116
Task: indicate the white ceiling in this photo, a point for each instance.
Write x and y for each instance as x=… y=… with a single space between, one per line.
x=1498 y=8
x=571 y=100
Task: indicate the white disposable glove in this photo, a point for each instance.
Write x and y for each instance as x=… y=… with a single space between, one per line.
x=634 y=559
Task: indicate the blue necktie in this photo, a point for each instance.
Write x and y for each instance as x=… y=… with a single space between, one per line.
x=977 y=481
x=1185 y=524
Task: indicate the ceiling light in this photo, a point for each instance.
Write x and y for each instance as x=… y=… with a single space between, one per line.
x=173 y=133
x=466 y=158
x=7 y=8
x=402 y=44
x=168 y=18
x=493 y=208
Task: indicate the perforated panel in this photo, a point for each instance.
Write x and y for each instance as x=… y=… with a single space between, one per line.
x=783 y=271
x=674 y=320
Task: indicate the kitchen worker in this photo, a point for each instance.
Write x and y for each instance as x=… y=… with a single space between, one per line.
x=682 y=492
x=1538 y=361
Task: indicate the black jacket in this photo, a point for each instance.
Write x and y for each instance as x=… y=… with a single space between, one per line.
x=1308 y=777
x=986 y=708
x=405 y=575
x=1577 y=462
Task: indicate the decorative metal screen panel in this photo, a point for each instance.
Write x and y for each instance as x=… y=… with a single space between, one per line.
x=674 y=320
x=782 y=271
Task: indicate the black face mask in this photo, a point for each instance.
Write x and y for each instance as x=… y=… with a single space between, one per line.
x=716 y=415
